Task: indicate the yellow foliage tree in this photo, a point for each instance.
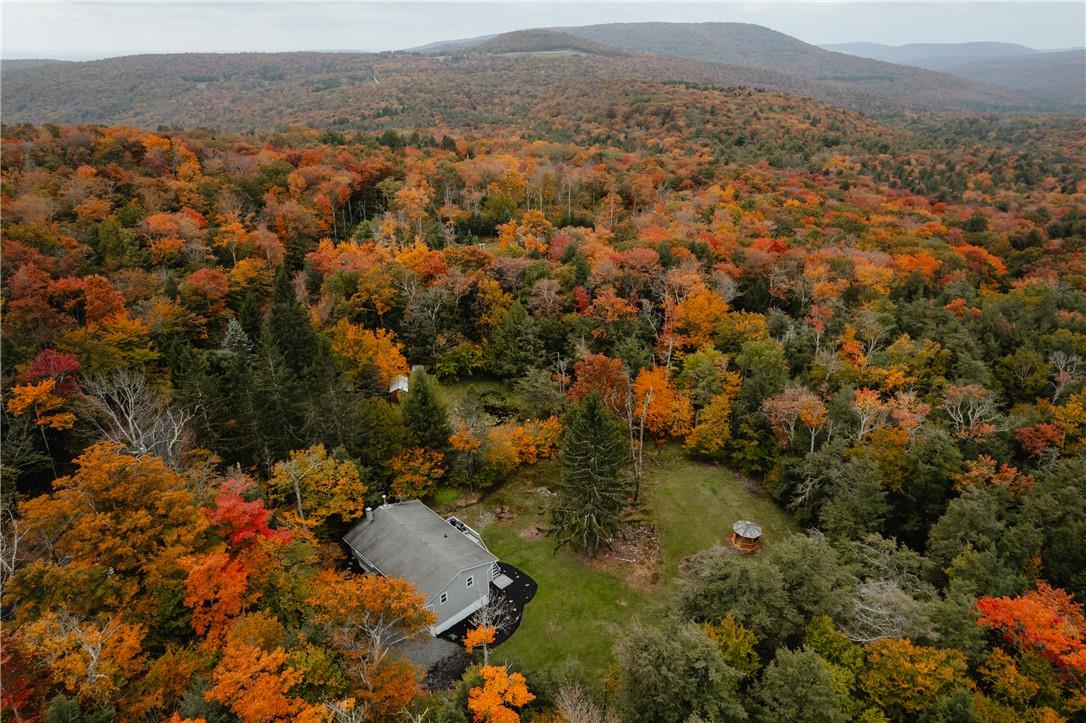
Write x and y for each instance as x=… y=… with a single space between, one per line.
x=699 y=315
x=321 y=486
x=710 y=435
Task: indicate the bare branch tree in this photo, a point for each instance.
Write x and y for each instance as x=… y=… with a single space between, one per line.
x=10 y=537
x=635 y=424
x=881 y=609
x=573 y=705
x=1066 y=371
x=972 y=410
x=499 y=613
x=126 y=410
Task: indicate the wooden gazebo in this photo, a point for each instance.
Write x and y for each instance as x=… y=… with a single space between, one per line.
x=746 y=536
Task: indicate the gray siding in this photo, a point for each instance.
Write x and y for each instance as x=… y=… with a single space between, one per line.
x=462 y=600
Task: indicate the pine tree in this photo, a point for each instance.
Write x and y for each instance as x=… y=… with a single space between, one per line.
x=236 y=340
x=289 y=326
x=276 y=401
x=197 y=389
x=251 y=316
x=424 y=415
x=591 y=495
x=514 y=344
x=368 y=382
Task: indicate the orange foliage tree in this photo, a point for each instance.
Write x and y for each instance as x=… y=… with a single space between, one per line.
x=93 y=658
x=40 y=399
x=664 y=409
x=255 y=684
x=1046 y=620
x=415 y=472
x=358 y=345
x=482 y=635
x=151 y=518
x=603 y=376
x=501 y=694
x=217 y=590
x=363 y=616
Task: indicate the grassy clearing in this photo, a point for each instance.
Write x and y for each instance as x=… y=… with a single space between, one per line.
x=453 y=393
x=694 y=506
x=581 y=611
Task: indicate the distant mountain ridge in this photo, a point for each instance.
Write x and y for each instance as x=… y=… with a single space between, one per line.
x=544 y=40
x=23 y=63
x=262 y=90
x=836 y=77
x=1056 y=79
x=933 y=56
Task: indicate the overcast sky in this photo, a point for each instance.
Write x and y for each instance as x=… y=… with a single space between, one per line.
x=82 y=30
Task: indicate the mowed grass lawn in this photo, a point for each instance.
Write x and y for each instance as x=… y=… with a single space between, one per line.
x=580 y=611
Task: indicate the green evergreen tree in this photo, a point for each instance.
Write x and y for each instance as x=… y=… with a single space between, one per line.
x=170 y=288
x=368 y=382
x=236 y=340
x=424 y=415
x=798 y=685
x=63 y=709
x=251 y=316
x=514 y=345
x=198 y=390
x=271 y=407
x=289 y=327
x=671 y=674
x=342 y=415
x=591 y=495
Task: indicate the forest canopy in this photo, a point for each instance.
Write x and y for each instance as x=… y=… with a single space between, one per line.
x=882 y=332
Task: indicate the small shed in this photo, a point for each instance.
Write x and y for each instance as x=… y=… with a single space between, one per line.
x=746 y=536
x=398 y=388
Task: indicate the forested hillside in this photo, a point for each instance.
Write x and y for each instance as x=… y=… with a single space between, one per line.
x=646 y=303
x=1056 y=78
x=199 y=329
x=499 y=81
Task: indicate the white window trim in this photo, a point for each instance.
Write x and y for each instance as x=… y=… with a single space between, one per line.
x=443 y=598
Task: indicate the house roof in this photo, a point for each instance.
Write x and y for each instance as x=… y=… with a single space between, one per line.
x=398 y=383
x=411 y=541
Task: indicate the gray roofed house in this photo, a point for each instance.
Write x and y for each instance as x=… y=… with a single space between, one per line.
x=444 y=559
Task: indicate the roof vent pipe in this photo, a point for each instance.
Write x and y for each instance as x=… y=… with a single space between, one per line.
x=369 y=514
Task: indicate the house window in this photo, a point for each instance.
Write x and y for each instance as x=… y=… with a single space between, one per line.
x=444 y=598
x=471 y=581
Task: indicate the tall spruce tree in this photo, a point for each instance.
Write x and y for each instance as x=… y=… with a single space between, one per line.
x=514 y=345
x=591 y=495
x=424 y=415
x=276 y=398
x=251 y=316
x=288 y=324
x=197 y=390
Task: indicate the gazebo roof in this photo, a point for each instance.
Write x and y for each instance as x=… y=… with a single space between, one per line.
x=747 y=529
